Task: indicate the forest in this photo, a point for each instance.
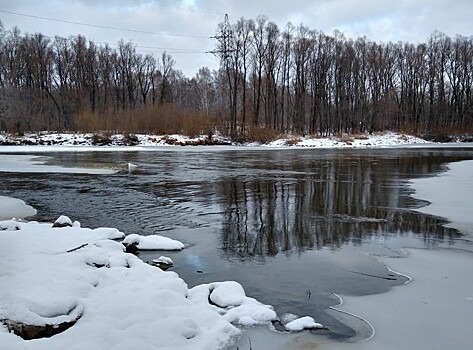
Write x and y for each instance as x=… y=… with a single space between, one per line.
x=270 y=81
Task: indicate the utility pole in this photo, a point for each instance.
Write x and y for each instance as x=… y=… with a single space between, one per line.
x=225 y=49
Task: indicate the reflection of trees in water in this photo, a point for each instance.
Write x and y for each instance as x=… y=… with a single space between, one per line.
x=329 y=203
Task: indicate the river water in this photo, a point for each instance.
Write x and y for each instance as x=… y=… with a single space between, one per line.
x=293 y=226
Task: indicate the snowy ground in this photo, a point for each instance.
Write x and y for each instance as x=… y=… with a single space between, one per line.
x=68 y=140
x=54 y=275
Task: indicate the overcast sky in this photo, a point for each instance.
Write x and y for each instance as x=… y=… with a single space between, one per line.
x=190 y=23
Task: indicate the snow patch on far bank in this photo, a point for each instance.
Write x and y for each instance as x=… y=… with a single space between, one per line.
x=70 y=141
x=388 y=139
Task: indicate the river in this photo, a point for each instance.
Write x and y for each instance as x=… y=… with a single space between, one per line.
x=293 y=226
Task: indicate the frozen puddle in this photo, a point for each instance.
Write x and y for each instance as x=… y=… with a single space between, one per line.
x=36 y=164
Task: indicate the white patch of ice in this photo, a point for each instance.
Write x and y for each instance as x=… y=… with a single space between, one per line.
x=414 y=316
x=14 y=208
x=20 y=163
x=434 y=310
x=450 y=195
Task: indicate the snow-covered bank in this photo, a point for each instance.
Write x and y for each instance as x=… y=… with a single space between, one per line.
x=388 y=139
x=434 y=310
x=52 y=275
x=68 y=141
x=68 y=287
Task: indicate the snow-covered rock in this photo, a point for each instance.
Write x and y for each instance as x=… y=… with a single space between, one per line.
x=62 y=221
x=231 y=301
x=163 y=262
x=227 y=294
x=152 y=242
x=303 y=323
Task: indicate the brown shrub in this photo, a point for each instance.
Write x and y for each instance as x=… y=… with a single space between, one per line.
x=101 y=139
x=130 y=139
x=261 y=135
x=157 y=119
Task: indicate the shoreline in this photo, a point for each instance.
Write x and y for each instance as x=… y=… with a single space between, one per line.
x=385 y=139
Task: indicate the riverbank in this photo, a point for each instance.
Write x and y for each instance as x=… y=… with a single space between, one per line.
x=142 y=140
x=64 y=286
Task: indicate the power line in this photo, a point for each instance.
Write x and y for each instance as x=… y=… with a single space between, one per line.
x=102 y=26
x=172 y=50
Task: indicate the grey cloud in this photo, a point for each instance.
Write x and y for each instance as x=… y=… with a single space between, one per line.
x=380 y=20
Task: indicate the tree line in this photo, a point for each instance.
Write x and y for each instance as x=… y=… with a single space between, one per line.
x=270 y=81
x=308 y=82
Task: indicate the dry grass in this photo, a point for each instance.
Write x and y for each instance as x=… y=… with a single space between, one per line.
x=161 y=120
x=261 y=135
x=292 y=141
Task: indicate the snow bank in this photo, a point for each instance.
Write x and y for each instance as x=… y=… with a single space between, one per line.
x=12 y=207
x=387 y=139
x=52 y=275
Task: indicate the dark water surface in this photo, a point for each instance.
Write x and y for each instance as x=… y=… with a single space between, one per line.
x=292 y=226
